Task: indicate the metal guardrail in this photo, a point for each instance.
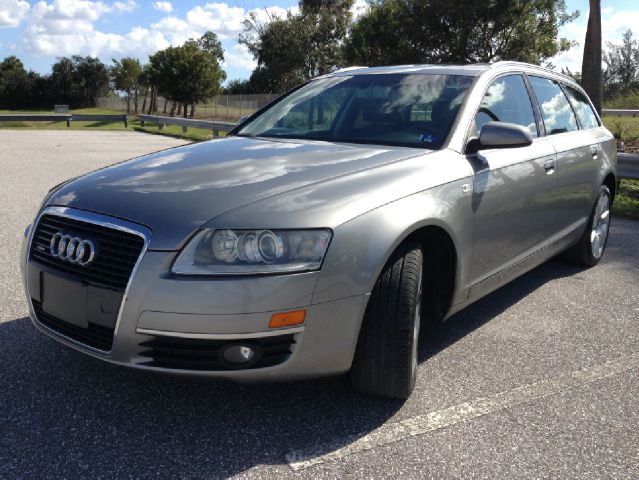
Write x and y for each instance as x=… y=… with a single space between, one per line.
x=185 y=123
x=64 y=118
x=620 y=112
x=628 y=165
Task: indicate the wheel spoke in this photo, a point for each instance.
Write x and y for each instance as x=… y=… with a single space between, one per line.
x=596 y=245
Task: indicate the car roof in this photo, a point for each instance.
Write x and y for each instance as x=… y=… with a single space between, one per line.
x=472 y=70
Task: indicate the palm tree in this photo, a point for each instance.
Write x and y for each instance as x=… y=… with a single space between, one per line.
x=591 y=65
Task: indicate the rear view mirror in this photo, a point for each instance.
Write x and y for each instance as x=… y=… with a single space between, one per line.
x=503 y=135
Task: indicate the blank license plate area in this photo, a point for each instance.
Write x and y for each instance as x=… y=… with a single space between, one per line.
x=65 y=299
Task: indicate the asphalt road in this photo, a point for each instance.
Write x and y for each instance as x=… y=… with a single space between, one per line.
x=538 y=380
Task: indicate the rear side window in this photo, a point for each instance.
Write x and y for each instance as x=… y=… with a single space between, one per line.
x=555 y=108
x=507 y=100
x=583 y=109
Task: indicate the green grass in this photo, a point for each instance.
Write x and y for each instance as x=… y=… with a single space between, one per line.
x=195 y=134
x=626 y=202
x=625 y=129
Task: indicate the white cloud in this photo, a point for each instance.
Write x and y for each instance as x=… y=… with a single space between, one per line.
x=68 y=27
x=138 y=42
x=72 y=16
x=239 y=57
x=125 y=7
x=12 y=12
x=359 y=8
x=225 y=21
x=176 y=30
x=570 y=59
x=617 y=22
x=166 y=7
x=613 y=24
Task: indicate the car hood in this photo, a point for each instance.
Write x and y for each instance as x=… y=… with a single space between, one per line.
x=176 y=191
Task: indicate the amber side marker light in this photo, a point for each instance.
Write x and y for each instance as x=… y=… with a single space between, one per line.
x=287 y=319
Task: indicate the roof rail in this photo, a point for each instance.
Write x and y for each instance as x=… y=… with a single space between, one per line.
x=502 y=63
x=346 y=69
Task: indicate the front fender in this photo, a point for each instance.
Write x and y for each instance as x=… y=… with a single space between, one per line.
x=361 y=247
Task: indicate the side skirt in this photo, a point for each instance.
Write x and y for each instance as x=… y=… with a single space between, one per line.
x=508 y=274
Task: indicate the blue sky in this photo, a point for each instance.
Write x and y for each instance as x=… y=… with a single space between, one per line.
x=40 y=31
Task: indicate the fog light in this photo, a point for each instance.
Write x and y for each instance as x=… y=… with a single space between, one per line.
x=238 y=354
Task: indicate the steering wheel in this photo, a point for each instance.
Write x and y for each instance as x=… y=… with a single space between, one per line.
x=485 y=111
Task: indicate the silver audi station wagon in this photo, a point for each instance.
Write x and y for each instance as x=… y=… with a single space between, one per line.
x=319 y=234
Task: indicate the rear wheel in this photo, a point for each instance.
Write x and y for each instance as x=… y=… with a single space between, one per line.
x=590 y=249
x=385 y=361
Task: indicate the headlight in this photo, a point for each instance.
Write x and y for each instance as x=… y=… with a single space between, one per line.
x=246 y=252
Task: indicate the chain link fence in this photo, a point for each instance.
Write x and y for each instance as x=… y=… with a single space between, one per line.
x=221 y=107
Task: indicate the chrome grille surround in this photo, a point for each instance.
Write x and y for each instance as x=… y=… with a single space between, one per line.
x=103 y=221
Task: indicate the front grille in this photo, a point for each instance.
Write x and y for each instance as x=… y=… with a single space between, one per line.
x=95 y=336
x=116 y=251
x=196 y=354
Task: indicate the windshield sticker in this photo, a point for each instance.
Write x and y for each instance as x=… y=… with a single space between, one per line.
x=427 y=137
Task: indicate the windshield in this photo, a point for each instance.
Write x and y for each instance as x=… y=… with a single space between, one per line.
x=409 y=110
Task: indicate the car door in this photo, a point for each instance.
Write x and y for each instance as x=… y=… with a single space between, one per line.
x=576 y=150
x=512 y=188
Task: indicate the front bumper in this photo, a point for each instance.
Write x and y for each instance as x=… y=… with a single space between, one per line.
x=158 y=305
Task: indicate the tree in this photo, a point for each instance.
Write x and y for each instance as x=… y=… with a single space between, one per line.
x=591 y=64
x=191 y=72
x=235 y=87
x=301 y=46
x=14 y=83
x=78 y=81
x=92 y=78
x=125 y=75
x=464 y=31
x=622 y=63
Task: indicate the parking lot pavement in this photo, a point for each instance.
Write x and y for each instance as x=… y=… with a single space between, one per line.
x=539 y=379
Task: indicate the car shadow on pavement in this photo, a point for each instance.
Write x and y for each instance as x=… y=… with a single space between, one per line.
x=64 y=414
x=436 y=338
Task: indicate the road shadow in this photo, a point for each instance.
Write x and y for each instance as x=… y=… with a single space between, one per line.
x=436 y=338
x=64 y=414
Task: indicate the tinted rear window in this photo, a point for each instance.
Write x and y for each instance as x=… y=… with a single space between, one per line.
x=585 y=113
x=555 y=108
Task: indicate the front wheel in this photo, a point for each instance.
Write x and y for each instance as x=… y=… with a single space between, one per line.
x=590 y=249
x=385 y=360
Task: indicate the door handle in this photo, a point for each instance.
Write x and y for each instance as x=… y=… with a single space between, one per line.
x=549 y=166
x=594 y=149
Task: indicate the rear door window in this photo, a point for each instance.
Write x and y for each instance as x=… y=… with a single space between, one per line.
x=507 y=100
x=582 y=107
x=555 y=108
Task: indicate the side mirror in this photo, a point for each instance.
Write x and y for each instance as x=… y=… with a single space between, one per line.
x=503 y=135
x=243 y=119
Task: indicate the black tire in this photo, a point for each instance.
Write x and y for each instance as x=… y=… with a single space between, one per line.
x=582 y=252
x=385 y=362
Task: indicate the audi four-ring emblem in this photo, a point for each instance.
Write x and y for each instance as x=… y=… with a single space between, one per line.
x=72 y=249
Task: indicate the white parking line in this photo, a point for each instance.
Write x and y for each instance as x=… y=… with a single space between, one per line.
x=393 y=432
